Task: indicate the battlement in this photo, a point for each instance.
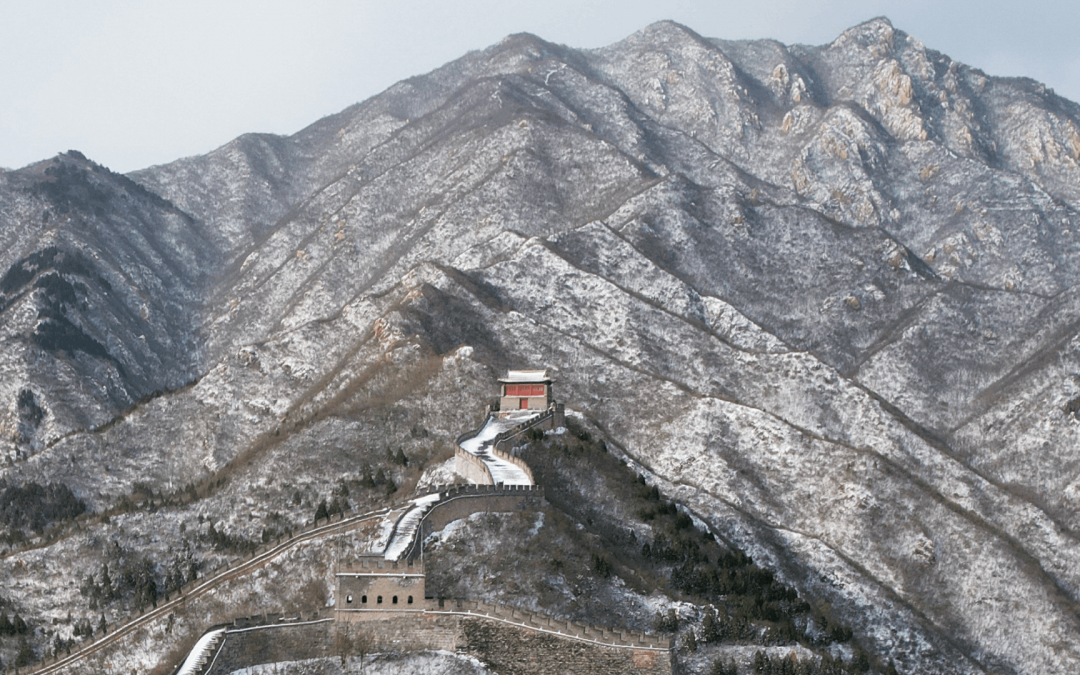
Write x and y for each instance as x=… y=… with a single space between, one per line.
x=458 y=489
x=377 y=565
x=272 y=619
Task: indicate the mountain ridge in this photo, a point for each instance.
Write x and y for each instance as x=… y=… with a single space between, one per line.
x=828 y=286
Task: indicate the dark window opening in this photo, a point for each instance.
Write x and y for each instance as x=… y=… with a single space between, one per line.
x=363 y=599
x=395 y=600
x=378 y=600
x=348 y=599
x=410 y=599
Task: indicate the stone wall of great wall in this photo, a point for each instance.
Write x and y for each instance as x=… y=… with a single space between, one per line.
x=509 y=641
x=552 y=418
x=516 y=461
x=250 y=645
x=471 y=468
x=512 y=651
x=461 y=501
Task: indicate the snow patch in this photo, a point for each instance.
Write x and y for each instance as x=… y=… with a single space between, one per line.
x=438 y=474
x=535 y=529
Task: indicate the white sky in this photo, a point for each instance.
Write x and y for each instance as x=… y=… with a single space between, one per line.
x=136 y=83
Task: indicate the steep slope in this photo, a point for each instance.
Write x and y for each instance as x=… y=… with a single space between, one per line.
x=101 y=291
x=821 y=294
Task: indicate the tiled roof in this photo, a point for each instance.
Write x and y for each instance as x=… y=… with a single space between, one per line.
x=526 y=376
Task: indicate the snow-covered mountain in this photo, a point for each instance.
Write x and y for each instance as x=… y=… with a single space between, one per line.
x=824 y=295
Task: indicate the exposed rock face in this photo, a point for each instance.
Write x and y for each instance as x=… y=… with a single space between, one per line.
x=824 y=294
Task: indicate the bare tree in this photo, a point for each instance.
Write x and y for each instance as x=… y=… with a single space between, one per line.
x=350 y=640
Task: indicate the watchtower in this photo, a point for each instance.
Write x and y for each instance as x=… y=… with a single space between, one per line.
x=525 y=390
x=376 y=586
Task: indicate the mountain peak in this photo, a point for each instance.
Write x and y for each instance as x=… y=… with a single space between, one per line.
x=665 y=32
x=877 y=32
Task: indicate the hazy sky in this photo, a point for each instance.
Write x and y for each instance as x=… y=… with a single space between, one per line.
x=133 y=84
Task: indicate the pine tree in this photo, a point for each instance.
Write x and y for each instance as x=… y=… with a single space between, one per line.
x=18 y=626
x=106 y=582
x=103 y=627
x=321 y=513
x=761 y=662
x=690 y=641
x=601 y=565
x=710 y=627
x=860 y=661
x=720 y=667
x=666 y=623
x=25 y=655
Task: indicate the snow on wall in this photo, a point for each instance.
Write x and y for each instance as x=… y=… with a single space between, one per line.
x=406 y=527
x=502 y=471
x=203 y=648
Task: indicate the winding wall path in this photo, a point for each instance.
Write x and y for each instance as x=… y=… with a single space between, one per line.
x=202 y=587
x=482 y=445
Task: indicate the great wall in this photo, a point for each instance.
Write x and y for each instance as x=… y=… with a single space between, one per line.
x=381 y=595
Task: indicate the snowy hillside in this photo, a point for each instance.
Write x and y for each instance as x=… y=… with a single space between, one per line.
x=823 y=296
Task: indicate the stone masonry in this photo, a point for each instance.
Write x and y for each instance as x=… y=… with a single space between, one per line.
x=506 y=649
x=272 y=643
x=512 y=651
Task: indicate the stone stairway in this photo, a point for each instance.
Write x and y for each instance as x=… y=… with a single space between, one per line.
x=198 y=659
x=405 y=528
x=480 y=444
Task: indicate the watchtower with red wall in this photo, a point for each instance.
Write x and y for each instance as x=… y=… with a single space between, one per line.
x=525 y=390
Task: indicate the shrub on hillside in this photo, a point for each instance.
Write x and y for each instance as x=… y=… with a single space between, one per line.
x=34 y=507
